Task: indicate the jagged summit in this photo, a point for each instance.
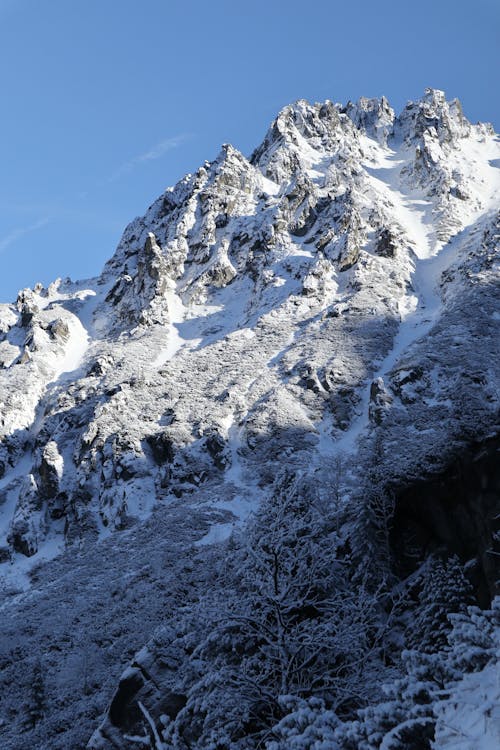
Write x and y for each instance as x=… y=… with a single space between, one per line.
x=433 y=117
x=326 y=123
x=374 y=116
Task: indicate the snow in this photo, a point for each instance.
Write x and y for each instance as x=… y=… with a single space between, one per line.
x=234 y=473
x=75 y=349
x=411 y=209
x=479 y=160
x=177 y=314
x=420 y=309
x=8 y=505
x=470 y=718
x=270 y=187
x=241 y=507
x=16 y=573
x=218 y=532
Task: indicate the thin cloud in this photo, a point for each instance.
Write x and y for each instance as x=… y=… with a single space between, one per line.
x=16 y=234
x=155 y=152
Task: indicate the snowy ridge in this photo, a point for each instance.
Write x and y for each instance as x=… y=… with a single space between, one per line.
x=316 y=267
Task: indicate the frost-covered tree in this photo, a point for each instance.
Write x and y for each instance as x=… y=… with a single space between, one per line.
x=475 y=637
x=371 y=517
x=442 y=589
x=286 y=621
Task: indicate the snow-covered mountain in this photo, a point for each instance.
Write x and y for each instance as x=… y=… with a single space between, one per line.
x=329 y=306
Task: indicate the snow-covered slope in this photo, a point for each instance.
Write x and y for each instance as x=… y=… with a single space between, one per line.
x=334 y=295
x=262 y=310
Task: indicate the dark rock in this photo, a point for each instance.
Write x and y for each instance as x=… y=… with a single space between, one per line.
x=342 y=403
x=303 y=225
x=387 y=244
x=119 y=289
x=217 y=448
x=458 y=192
x=58 y=329
x=121 y=712
x=27 y=306
x=220 y=275
x=349 y=253
x=408 y=376
x=380 y=401
x=49 y=470
x=151 y=680
x=101 y=366
x=456 y=510
x=324 y=239
x=221 y=220
x=162 y=447
x=309 y=379
x=22 y=541
x=57 y=508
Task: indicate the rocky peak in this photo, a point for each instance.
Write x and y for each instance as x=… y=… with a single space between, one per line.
x=433 y=117
x=299 y=127
x=306 y=180
x=375 y=117
x=231 y=164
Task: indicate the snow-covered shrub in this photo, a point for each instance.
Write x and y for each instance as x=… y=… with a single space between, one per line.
x=444 y=699
x=307 y=725
x=475 y=637
x=35 y=705
x=372 y=512
x=422 y=704
x=468 y=714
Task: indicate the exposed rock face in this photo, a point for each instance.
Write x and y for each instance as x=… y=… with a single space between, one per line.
x=455 y=510
x=151 y=681
x=337 y=290
x=380 y=400
x=27 y=306
x=387 y=244
x=373 y=116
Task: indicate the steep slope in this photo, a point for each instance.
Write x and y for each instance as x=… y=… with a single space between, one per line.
x=256 y=298
x=333 y=298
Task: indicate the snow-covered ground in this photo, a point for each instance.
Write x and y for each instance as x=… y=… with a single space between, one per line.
x=177 y=314
x=470 y=718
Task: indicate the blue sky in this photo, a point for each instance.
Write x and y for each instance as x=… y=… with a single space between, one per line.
x=107 y=102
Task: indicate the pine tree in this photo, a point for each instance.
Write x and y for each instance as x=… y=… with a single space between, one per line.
x=371 y=524
x=443 y=590
x=475 y=637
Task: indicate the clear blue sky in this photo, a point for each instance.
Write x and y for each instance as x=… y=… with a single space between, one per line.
x=107 y=102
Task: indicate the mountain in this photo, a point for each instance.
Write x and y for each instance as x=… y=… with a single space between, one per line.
x=321 y=317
